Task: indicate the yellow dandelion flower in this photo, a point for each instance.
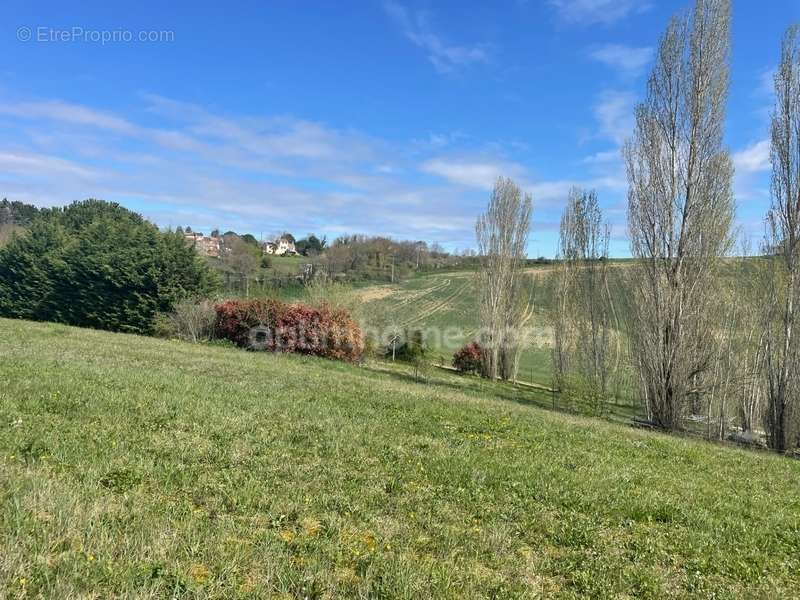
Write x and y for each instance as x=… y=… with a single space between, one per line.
x=370 y=541
x=311 y=526
x=287 y=535
x=200 y=573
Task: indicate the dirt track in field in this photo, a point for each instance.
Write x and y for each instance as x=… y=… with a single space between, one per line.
x=435 y=307
x=373 y=294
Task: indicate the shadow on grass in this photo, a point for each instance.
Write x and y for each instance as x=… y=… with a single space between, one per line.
x=520 y=394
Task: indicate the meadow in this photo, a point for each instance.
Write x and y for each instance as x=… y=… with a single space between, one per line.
x=441 y=304
x=447 y=301
x=132 y=467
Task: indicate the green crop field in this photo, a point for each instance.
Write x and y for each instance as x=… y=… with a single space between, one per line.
x=442 y=303
x=133 y=467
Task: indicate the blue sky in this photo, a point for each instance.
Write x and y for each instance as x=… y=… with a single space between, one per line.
x=378 y=117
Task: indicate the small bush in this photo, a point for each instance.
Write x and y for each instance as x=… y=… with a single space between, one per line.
x=581 y=396
x=469 y=358
x=271 y=325
x=412 y=350
x=193 y=320
x=163 y=327
x=409 y=347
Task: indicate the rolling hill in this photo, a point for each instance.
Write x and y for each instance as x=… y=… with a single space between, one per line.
x=135 y=467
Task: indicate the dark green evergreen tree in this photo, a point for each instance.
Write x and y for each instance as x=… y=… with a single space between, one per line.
x=97 y=264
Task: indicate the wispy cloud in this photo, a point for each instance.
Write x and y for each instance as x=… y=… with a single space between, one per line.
x=179 y=163
x=273 y=137
x=628 y=61
x=766 y=82
x=753 y=159
x=479 y=174
x=603 y=157
x=184 y=164
x=548 y=195
x=614 y=113
x=445 y=57
x=591 y=12
x=70 y=113
x=32 y=164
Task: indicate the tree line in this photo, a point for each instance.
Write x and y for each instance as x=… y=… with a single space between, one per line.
x=380 y=257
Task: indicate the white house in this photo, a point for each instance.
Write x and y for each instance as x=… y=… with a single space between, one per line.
x=280 y=247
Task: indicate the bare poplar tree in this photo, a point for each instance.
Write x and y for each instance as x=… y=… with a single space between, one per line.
x=502 y=234
x=783 y=239
x=582 y=327
x=562 y=333
x=749 y=355
x=680 y=209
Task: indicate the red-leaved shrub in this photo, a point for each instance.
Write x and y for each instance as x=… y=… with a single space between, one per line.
x=236 y=318
x=274 y=326
x=468 y=359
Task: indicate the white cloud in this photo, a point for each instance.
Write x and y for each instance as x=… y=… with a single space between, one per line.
x=246 y=173
x=36 y=165
x=627 y=60
x=591 y=12
x=766 y=82
x=550 y=192
x=188 y=165
x=614 y=114
x=274 y=137
x=753 y=159
x=470 y=173
x=249 y=143
x=70 y=113
x=445 y=57
x=604 y=157
x=548 y=195
x=751 y=164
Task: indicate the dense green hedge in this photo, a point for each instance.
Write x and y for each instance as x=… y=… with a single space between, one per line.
x=97 y=264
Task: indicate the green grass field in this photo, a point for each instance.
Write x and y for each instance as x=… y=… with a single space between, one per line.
x=441 y=301
x=286 y=265
x=139 y=468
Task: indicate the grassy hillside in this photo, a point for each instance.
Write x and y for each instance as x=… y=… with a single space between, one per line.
x=133 y=467
x=442 y=302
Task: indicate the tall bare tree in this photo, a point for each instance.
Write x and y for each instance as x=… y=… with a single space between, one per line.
x=783 y=238
x=749 y=354
x=502 y=234
x=680 y=209
x=582 y=325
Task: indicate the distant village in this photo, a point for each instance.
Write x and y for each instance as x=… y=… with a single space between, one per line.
x=214 y=245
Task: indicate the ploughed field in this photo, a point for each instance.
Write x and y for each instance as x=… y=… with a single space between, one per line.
x=133 y=467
